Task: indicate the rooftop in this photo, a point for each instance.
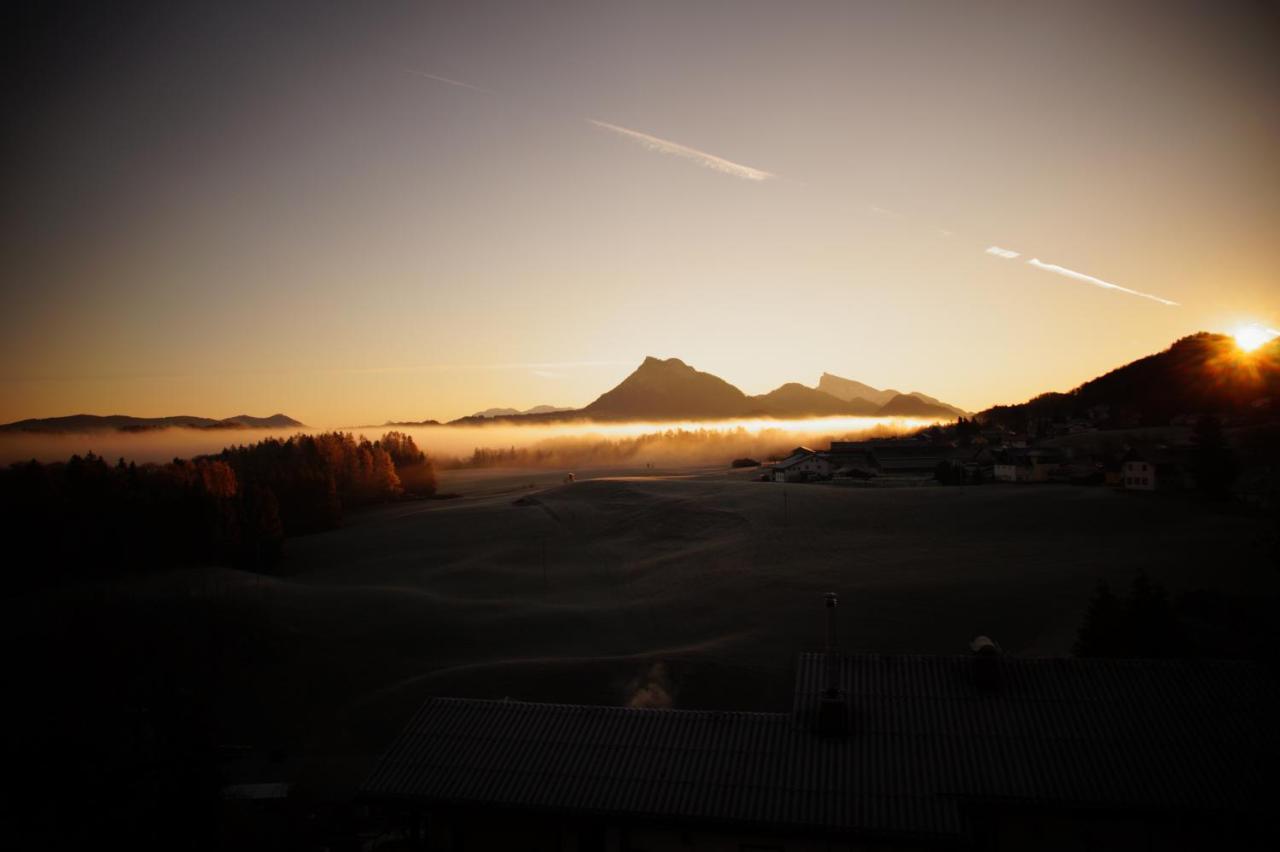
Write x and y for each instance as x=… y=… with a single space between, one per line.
x=926 y=740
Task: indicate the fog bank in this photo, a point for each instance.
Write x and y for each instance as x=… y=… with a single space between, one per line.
x=552 y=443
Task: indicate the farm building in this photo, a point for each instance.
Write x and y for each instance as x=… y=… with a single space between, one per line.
x=1017 y=464
x=802 y=465
x=1151 y=470
x=890 y=458
x=878 y=752
x=976 y=460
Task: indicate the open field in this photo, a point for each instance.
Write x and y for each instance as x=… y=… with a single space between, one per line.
x=698 y=587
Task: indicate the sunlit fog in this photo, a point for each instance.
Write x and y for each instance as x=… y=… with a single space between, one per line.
x=601 y=444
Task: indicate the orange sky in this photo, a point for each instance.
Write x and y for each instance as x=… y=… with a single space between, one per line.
x=222 y=211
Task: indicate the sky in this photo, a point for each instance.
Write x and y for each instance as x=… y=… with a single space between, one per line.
x=359 y=212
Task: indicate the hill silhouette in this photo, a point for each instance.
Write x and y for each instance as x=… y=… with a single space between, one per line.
x=1200 y=374
x=850 y=390
x=512 y=412
x=796 y=400
x=910 y=405
x=125 y=423
x=670 y=389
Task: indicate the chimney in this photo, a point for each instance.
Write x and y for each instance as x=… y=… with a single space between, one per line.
x=833 y=710
x=832 y=689
x=986 y=663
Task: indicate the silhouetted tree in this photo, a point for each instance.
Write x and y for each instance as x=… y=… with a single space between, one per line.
x=1154 y=628
x=1213 y=465
x=263 y=529
x=88 y=518
x=1141 y=625
x=965 y=429
x=1102 y=634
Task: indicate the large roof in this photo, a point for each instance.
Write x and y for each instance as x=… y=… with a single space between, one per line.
x=926 y=739
x=666 y=764
x=1137 y=734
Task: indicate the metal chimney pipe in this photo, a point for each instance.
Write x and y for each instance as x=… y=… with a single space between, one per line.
x=832 y=601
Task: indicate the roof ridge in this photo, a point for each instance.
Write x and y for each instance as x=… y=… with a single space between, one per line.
x=621 y=708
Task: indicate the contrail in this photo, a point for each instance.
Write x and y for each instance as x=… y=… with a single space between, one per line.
x=458 y=83
x=1097 y=282
x=702 y=158
x=1007 y=254
x=528 y=365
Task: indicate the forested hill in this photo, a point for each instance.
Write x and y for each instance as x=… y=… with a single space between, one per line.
x=1201 y=374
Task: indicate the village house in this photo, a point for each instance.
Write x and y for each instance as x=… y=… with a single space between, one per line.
x=1151 y=469
x=1015 y=464
x=977 y=461
x=977 y=751
x=802 y=465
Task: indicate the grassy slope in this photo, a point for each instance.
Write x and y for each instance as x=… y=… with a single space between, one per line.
x=718 y=578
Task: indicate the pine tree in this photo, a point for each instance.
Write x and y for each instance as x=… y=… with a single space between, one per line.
x=1103 y=633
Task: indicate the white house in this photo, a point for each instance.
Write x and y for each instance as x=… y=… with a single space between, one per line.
x=1139 y=475
x=803 y=464
x=1151 y=470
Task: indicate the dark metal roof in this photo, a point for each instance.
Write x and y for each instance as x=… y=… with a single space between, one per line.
x=1142 y=734
x=756 y=768
x=926 y=739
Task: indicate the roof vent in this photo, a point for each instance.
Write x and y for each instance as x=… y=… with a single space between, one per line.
x=986 y=663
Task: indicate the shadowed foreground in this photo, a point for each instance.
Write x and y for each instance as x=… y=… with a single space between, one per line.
x=695 y=591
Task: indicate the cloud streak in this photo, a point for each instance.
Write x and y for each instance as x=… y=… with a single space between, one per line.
x=675 y=149
x=1007 y=254
x=531 y=366
x=447 y=80
x=1097 y=282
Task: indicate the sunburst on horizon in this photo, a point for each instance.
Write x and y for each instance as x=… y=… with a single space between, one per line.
x=1250 y=337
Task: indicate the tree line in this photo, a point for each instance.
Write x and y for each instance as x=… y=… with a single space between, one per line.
x=662 y=446
x=1147 y=622
x=87 y=517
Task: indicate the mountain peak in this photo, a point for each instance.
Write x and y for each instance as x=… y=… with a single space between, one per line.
x=667 y=390
x=651 y=362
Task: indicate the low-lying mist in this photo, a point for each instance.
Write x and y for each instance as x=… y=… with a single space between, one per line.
x=499 y=444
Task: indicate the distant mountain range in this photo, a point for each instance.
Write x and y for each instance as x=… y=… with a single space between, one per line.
x=124 y=423
x=670 y=389
x=889 y=401
x=512 y=412
x=1202 y=373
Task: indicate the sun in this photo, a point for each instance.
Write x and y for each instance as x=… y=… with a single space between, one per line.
x=1250 y=337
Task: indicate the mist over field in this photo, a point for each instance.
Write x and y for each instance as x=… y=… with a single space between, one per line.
x=554 y=444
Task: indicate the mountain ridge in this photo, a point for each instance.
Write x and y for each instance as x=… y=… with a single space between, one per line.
x=1201 y=373
x=849 y=389
x=671 y=390
x=127 y=423
x=513 y=412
